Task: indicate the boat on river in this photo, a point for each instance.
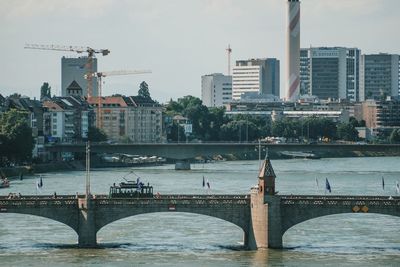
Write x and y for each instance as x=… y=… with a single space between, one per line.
x=4 y=183
x=298 y=155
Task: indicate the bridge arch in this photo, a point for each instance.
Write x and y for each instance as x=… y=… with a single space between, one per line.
x=295 y=215
x=172 y=228
x=367 y=230
x=231 y=216
x=37 y=227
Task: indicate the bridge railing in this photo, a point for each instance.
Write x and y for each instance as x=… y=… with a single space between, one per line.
x=37 y=201
x=177 y=199
x=339 y=200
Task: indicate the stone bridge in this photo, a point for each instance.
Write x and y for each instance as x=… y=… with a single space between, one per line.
x=263 y=215
x=262 y=227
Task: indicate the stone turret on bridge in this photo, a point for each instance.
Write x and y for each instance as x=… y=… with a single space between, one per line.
x=259 y=210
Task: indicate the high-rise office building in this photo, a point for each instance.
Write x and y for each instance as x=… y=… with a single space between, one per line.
x=379 y=76
x=305 y=78
x=256 y=75
x=330 y=72
x=216 y=89
x=73 y=82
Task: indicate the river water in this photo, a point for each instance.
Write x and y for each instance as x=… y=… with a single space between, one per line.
x=182 y=239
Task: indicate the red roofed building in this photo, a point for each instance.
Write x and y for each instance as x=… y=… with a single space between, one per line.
x=134 y=119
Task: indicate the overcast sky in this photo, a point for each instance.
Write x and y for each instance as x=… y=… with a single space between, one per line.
x=179 y=40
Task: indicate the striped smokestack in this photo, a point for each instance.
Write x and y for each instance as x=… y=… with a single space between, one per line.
x=293 y=51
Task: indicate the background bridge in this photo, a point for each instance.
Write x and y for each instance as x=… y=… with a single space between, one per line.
x=191 y=150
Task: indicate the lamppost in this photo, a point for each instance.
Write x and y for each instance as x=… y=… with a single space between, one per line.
x=240 y=132
x=247 y=129
x=87 y=170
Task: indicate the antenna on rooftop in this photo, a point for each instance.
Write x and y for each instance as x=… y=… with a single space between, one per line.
x=229 y=51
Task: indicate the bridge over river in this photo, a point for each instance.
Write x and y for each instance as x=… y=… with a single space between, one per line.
x=182 y=152
x=263 y=215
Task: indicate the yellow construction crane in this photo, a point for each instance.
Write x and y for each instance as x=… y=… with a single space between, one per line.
x=78 y=49
x=103 y=74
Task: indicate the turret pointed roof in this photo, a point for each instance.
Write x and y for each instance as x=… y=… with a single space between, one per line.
x=266 y=169
x=74 y=86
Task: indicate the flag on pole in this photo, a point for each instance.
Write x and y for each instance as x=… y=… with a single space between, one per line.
x=39 y=183
x=208 y=184
x=383 y=183
x=397 y=187
x=204 y=182
x=327 y=185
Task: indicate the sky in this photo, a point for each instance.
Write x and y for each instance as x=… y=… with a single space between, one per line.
x=179 y=40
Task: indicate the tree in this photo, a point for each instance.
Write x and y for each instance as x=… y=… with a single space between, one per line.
x=394 y=137
x=347 y=132
x=45 y=91
x=96 y=135
x=287 y=128
x=125 y=139
x=173 y=135
x=16 y=136
x=144 y=90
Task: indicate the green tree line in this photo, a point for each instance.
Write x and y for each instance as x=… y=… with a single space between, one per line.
x=212 y=124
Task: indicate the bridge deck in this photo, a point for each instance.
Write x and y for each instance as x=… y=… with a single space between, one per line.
x=72 y=200
x=67 y=200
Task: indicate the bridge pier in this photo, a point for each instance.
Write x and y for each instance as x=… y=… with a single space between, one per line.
x=274 y=221
x=86 y=228
x=182 y=165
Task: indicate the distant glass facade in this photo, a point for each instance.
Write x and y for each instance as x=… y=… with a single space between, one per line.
x=380 y=75
x=330 y=72
x=325 y=77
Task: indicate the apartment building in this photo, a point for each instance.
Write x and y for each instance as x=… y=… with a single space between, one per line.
x=129 y=119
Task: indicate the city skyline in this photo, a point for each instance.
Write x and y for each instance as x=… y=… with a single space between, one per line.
x=178 y=41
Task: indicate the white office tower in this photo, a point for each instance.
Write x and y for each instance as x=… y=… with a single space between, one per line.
x=216 y=89
x=259 y=76
x=293 y=51
x=73 y=82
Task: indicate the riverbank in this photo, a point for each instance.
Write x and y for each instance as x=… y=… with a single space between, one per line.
x=326 y=153
x=18 y=171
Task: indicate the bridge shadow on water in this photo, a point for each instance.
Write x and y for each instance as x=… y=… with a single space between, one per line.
x=149 y=247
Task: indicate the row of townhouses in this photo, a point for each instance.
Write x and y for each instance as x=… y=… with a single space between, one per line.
x=68 y=119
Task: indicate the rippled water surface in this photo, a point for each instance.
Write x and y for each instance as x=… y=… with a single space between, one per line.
x=182 y=239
